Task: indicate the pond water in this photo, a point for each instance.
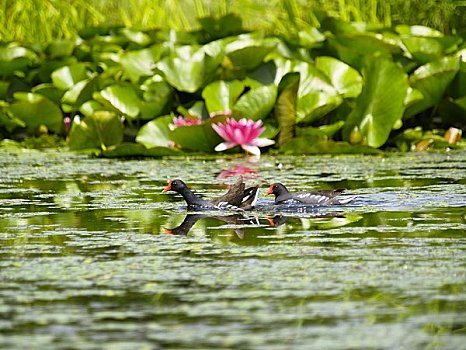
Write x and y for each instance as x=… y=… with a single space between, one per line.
x=86 y=261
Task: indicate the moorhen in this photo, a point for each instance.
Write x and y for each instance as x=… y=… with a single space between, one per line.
x=237 y=198
x=320 y=197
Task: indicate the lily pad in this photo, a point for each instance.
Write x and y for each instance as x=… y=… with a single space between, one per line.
x=432 y=80
x=66 y=77
x=189 y=68
x=99 y=131
x=346 y=80
x=155 y=133
x=35 y=110
x=222 y=95
x=257 y=103
x=201 y=138
x=123 y=98
x=380 y=104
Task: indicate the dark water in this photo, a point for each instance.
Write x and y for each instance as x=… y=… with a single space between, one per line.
x=86 y=261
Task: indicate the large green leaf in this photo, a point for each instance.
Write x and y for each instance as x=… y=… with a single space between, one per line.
x=141 y=62
x=221 y=95
x=99 y=131
x=155 y=133
x=157 y=98
x=432 y=80
x=8 y=121
x=78 y=94
x=316 y=95
x=197 y=137
x=285 y=107
x=346 y=80
x=66 y=77
x=381 y=103
x=256 y=103
x=15 y=58
x=35 y=110
x=248 y=52
x=189 y=68
x=123 y=98
x=355 y=48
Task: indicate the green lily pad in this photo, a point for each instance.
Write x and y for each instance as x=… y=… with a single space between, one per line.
x=155 y=133
x=15 y=58
x=140 y=63
x=123 y=98
x=346 y=80
x=99 y=131
x=189 y=68
x=380 y=104
x=66 y=77
x=248 y=52
x=432 y=80
x=222 y=95
x=200 y=138
x=257 y=103
x=35 y=110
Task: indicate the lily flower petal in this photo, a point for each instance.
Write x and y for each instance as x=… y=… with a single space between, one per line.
x=252 y=149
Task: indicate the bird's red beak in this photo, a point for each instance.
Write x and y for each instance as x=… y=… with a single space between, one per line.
x=270 y=191
x=168 y=187
x=270 y=220
x=167 y=231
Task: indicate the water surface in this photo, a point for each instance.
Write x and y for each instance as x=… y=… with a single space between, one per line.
x=86 y=260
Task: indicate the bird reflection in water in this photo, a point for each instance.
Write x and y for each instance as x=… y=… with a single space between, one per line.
x=237 y=221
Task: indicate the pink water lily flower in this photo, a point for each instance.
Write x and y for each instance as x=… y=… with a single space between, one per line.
x=244 y=133
x=185 y=121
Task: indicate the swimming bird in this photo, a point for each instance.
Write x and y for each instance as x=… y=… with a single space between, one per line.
x=320 y=197
x=238 y=196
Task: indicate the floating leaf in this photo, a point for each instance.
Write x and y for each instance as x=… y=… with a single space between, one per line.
x=222 y=95
x=99 y=131
x=256 y=103
x=380 y=104
x=35 y=110
x=155 y=133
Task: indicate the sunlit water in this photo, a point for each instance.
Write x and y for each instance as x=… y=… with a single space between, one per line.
x=86 y=261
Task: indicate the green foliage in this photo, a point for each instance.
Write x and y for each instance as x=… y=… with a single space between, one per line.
x=342 y=87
